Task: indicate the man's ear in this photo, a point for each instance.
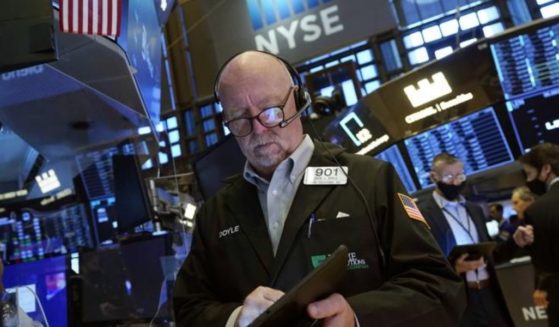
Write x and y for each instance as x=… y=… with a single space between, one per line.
x=546 y=170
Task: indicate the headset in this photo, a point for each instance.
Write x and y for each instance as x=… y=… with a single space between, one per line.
x=300 y=93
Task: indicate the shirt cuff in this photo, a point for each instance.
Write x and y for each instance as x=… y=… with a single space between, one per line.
x=233 y=317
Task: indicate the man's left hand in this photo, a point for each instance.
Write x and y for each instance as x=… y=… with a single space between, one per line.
x=335 y=311
x=524 y=235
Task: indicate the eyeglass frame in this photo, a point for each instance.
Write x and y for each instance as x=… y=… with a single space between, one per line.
x=448 y=178
x=257 y=116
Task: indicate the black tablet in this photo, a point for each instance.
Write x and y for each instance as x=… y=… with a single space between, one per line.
x=474 y=251
x=318 y=284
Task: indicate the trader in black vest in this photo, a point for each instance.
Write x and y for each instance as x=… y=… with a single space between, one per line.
x=455 y=221
x=541 y=166
x=270 y=226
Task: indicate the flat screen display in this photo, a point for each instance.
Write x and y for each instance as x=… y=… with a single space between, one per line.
x=122 y=282
x=535 y=118
x=438 y=92
x=47 y=280
x=103 y=211
x=394 y=156
x=528 y=62
x=132 y=204
x=220 y=161
x=358 y=130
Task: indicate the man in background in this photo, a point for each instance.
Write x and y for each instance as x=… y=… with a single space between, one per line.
x=521 y=199
x=541 y=166
x=455 y=221
x=506 y=229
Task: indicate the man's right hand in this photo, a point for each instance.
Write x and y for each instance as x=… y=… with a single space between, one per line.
x=461 y=265
x=540 y=298
x=255 y=303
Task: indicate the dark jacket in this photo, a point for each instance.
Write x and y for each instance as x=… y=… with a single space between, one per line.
x=444 y=236
x=416 y=287
x=544 y=216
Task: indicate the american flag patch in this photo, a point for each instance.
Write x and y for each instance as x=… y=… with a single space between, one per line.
x=411 y=208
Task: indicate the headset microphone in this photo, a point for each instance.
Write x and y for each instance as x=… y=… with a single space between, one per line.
x=288 y=121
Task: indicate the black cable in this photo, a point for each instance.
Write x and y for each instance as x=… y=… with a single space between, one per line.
x=361 y=195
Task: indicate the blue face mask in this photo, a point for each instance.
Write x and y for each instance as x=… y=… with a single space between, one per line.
x=451 y=192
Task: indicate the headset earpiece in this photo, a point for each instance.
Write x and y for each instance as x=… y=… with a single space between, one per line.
x=301 y=95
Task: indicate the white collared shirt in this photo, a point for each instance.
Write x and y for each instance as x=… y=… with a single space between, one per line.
x=276 y=196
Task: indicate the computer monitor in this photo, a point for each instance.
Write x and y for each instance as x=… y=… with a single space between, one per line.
x=104 y=218
x=220 y=161
x=133 y=207
x=122 y=282
x=535 y=118
x=358 y=130
x=44 y=281
x=526 y=61
x=394 y=156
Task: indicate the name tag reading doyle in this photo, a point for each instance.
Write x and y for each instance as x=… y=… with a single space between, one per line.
x=325 y=175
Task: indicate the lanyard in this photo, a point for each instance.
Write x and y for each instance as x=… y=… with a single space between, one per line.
x=467 y=230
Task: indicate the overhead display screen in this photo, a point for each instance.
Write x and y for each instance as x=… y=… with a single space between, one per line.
x=477 y=139
x=528 y=62
x=535 y=118
x=358 y=130
x=438 y=92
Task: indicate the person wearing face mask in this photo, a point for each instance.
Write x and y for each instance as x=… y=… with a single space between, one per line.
x=541 y=167
x=455 y=221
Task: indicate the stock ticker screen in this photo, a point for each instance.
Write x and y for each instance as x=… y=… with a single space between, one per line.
x=477 y=139
x=394 y=156
x=528 y=67
x=30 y=234
x=535 y=118
x=528 y=62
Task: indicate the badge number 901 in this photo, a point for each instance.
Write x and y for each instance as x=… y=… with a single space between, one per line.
x=325 y=175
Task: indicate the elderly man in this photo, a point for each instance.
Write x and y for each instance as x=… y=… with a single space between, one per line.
x=267 y=229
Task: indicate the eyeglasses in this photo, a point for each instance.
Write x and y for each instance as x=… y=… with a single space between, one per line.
x=269 y=117
x=449 y=178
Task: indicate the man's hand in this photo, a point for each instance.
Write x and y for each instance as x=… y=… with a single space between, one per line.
x=540 y=298
x=255 y=303
x=524 y=235
x=335 y=311
x=461 y=265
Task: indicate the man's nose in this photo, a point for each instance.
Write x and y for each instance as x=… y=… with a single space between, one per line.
x=456 y=181
x=257 y=127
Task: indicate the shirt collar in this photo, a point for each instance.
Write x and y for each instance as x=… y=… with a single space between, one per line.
x=443 y=202
x=293 y=166
x=553 y=181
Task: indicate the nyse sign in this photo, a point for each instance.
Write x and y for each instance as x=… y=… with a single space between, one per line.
x=308 y=29
x=294 y=29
